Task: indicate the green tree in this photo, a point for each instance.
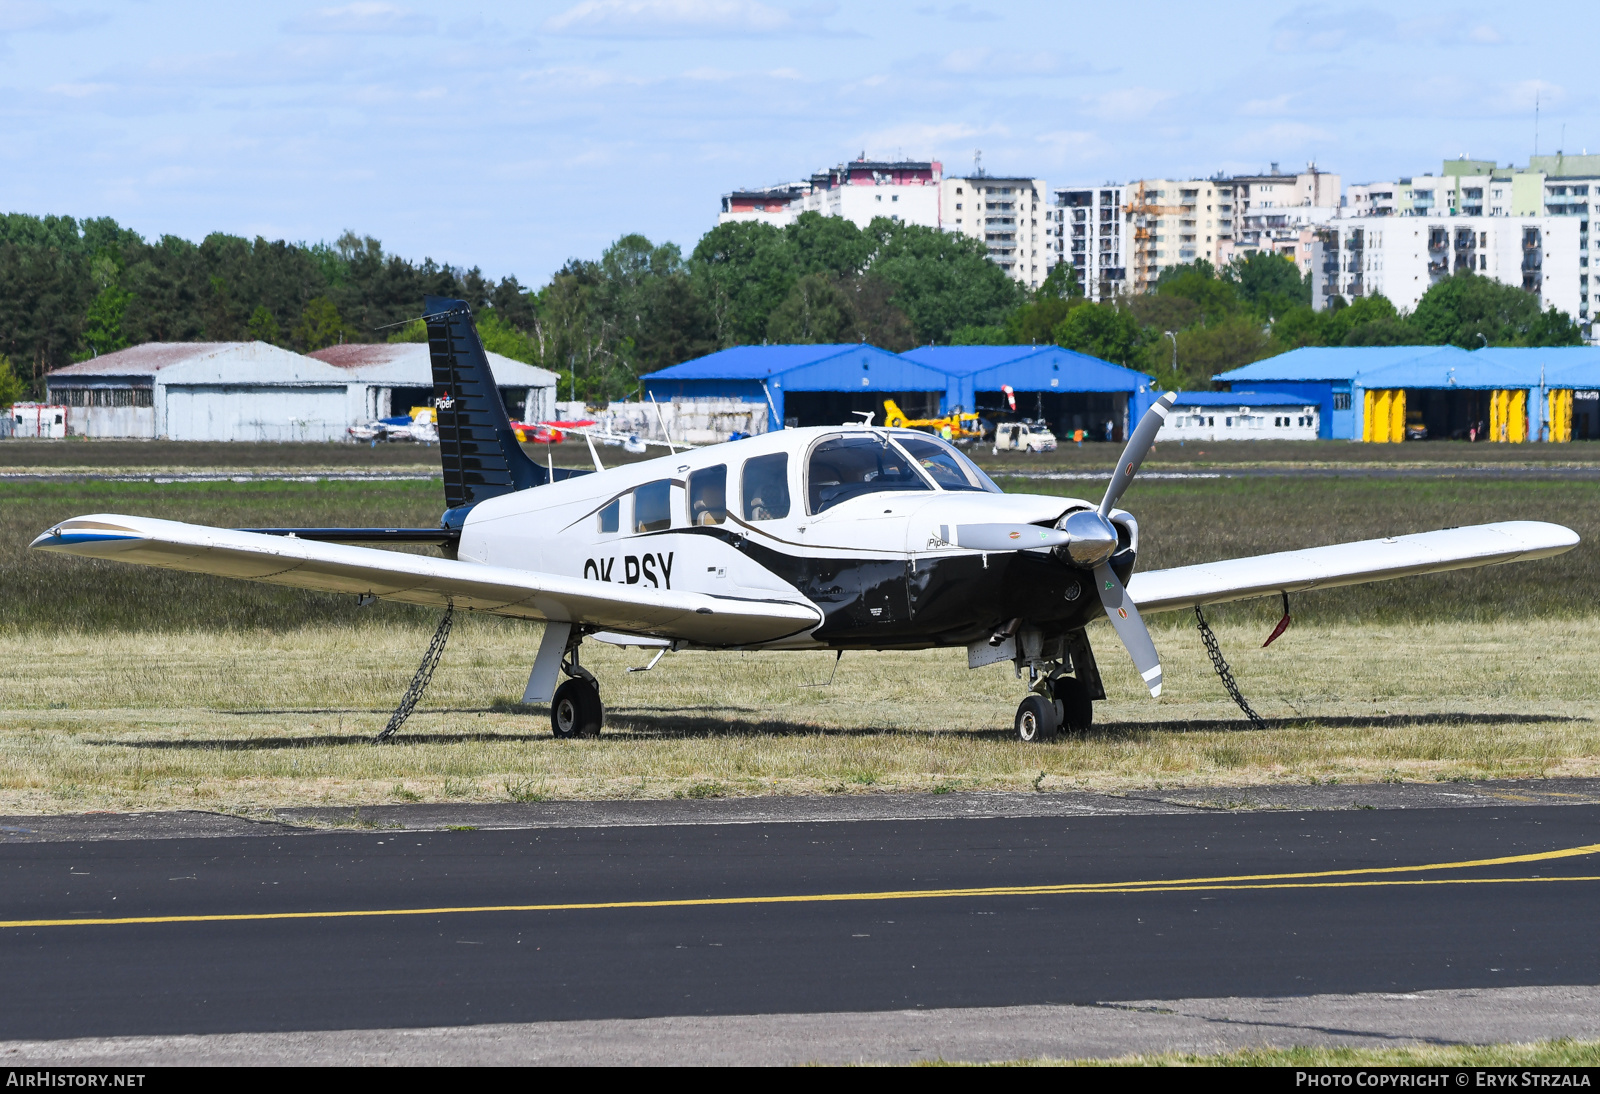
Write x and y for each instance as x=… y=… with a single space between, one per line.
x=320 y=326
x=102 y=323
x=11 y=386
x=816 y=311
x=1271 y=284
x=1204 y=351
x=1103 y=331
x=1468 y=310
x=263 y=326
x=941 y=280
x=1060 y=284
x=981 y=336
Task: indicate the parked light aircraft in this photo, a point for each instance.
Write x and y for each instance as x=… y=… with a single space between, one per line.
x=848 y=537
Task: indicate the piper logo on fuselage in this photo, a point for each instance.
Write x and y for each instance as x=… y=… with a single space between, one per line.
x=635 y=569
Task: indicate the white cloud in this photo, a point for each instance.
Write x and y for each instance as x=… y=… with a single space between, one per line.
x=960 y=13
x=1278 y=104
x=1126 y=104
x=679 y=19
x=31 y=15
x=1485 y=35
x=1317 y=30
x=364 y=17
x=983 y=61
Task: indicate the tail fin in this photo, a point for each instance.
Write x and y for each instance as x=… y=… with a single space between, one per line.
x=477 y=448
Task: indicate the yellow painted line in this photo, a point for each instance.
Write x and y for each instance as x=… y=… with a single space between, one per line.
x=1305 y=880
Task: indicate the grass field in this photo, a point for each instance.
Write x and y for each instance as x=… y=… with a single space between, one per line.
x=79 y=454
x=127 y=688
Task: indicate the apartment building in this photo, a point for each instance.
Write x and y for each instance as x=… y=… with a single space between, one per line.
x=1403 y=257
x=1010 y=215
x=1558 y=186
x=1168 y=222
x=1278 y=212
x=1088 y=228
x=1370 y=199
x=860 y=190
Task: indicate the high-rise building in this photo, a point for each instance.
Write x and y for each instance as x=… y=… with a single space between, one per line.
x=1277 y=212
x=859 y=191
x=1403 y=257
x=1011 y=215
x=1170 y=222
x=1087 y=229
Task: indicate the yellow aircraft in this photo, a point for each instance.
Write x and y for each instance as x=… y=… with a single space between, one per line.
x=959 y=424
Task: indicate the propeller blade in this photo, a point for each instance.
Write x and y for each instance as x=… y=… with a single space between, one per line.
x=1137 y=449
x=1129 y=627
x=1007 y=537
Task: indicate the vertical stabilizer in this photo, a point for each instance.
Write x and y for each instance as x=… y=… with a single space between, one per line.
x=477 y=448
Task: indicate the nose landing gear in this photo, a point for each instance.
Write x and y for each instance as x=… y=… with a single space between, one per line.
x=1058 y=703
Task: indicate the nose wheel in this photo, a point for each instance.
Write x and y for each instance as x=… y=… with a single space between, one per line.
x=1068 y=708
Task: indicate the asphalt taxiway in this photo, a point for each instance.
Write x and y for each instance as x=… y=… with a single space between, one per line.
x=160 y=927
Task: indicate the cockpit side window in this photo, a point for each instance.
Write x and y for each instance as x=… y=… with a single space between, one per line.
x=708 y=495
x=945 y=465
x=652 y=506
x=610 y=517
x=847 y=467
x=765 y=485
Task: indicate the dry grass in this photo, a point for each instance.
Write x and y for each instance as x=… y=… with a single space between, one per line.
x=248 y=720
x=1551 y=1054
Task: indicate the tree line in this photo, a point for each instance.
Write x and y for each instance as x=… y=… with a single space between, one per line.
x=77 y=289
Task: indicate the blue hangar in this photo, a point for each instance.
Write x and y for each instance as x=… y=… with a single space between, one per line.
x=1068 y=390
x=804 y=385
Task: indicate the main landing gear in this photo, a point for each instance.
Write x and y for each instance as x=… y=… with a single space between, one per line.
x=576 y=710
x=1057 y=702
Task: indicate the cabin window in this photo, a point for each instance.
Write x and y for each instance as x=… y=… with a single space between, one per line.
x=944 y=465
x=708 y=495
x=848 y=467
x=652 y=506
x=766 y=487
x=609 y=517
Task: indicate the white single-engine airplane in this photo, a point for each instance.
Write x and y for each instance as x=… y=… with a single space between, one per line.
x=833 y=538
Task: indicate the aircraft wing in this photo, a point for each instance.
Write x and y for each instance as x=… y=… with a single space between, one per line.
x=435 y=582
x=1348 y=564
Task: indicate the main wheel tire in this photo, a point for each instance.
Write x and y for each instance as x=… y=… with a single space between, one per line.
x=1036 y=720
x=576 y=710
x=1075 y=708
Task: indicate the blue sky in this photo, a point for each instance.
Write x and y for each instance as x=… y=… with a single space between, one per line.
x=513 y=136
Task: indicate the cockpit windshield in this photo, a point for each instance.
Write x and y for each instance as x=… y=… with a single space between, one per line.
x=847 y=467
x=944 y=464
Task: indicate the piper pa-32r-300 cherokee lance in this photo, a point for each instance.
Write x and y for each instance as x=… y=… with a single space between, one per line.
x=833 y=538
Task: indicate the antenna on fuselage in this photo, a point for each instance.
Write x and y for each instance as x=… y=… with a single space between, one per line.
x=866 y=416
x=662 y=418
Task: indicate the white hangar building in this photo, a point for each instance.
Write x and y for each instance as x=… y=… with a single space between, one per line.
x=253 y=391
x=393 y=377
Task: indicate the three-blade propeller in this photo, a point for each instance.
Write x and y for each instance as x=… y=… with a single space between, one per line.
x=1091 y=540
x=1119 y=605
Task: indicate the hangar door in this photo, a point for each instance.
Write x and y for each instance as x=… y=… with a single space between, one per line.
x=239 y=412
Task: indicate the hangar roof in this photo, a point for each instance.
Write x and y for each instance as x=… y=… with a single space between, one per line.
x=806 y=368
x=406 y=364
x=201 y=363
x=1484 y=370
x=1330 y=363
x=1238 y=398
x=1030 y=368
